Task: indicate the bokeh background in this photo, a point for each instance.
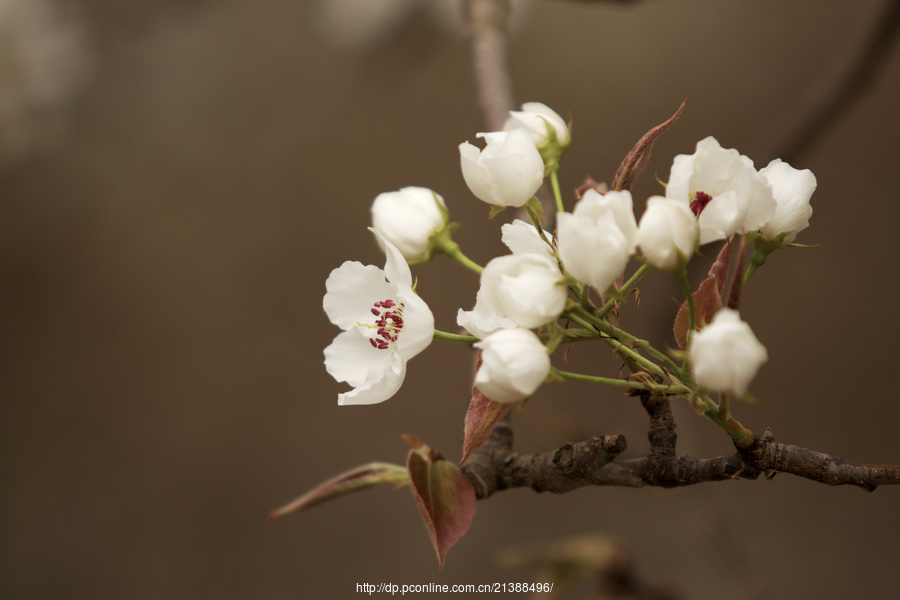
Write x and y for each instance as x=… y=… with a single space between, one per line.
x=178 y=178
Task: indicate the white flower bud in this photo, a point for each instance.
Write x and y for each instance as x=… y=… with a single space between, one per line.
x=407 y=218
x=534 y=118
x=481 y=321
x=507 y=172
x=668 y=233
x=597 y=238
x=723 y=188
x=514 y=364
x=725 y=355
x=527 y=288
x=792 y=189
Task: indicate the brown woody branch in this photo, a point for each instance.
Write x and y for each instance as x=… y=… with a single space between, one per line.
x=495 y=466
x=487 y=24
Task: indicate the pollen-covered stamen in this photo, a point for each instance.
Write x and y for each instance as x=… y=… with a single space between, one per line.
x=701 y=199
x=387 y=325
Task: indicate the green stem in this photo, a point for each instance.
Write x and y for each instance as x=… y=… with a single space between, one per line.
x=451 y=249
x=537 y=225
x=554 y=183
x=647 y=346
x=453 y=337
x=742 y=436
x=584 y=317
x=658 y=389
x=626 y=287
x=757 y=259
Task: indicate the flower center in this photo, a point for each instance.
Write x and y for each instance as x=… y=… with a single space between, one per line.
x=389 y=323
x=701 y=199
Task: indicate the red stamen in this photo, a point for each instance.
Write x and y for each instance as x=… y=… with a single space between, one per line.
x=701 y=199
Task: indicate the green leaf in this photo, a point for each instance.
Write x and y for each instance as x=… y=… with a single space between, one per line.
x=354 y=480
x=443 y=494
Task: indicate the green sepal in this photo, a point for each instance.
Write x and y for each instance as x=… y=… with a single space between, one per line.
x=496 y=209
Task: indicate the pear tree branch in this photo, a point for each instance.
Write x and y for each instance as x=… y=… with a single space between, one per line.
x=496 y=466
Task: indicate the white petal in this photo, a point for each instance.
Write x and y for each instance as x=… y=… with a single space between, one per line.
x=521 y=238
x=395 y=267
x=481 y=321
x=351 y=291
x=385 y=384
x=352 y=358
x=418 y=324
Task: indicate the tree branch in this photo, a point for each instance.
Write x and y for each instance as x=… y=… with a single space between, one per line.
x=495 y=466
x=833 y=93
x=487 y=21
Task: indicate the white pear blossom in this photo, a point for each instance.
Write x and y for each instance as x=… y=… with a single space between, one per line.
x=514 y=364
x=525 y=288
x=597 y=238
x=725 y=355
x=407 y=218
x=521 y=238
x=385 y=324
x=668 y=233
x=534 y=118
x=507 y=172
x=792 y=189
x=723 y=188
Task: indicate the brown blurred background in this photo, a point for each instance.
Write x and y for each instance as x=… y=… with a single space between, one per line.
x=169 y=217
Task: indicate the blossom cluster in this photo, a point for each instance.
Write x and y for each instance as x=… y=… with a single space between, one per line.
x=711 y=195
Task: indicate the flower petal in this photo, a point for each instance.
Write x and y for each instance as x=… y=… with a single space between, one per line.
x=418 y=324
x=351 y=358
x=382 y=386
x=395 y=267
x=351 y=291
x=521 y=238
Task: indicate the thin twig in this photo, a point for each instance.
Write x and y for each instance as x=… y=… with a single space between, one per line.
x=832 y=95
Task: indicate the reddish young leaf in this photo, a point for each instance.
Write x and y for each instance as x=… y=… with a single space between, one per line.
x=707 y=298
x=707 y=301
x=590 y=184
x=443 y=494
x=737 y=284
x=481 y=417
x=636 y=160
x=719 y=270
x=354 y=480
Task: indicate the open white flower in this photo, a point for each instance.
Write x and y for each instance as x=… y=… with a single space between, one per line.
x=723 y=188
x=725 y=355
x=792 y=189
x=597 y=238
x=407 y=218
x=385 y=324
x=668 y=233
x=514 y=364
x=507 y=172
